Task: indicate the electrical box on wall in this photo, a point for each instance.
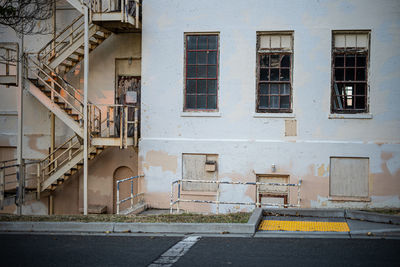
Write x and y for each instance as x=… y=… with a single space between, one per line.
x=211 y=166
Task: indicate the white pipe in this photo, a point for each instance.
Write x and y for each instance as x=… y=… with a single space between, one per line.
x=20 y=105
x=85 y=113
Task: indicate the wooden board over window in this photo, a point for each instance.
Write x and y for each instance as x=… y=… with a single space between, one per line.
x=349 y=177
x=194 y=168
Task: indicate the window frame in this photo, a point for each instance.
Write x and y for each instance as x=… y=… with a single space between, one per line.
x=188 y=110
x=350 y=51
x=274 y=51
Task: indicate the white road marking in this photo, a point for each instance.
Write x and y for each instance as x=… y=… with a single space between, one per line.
x=173 y=254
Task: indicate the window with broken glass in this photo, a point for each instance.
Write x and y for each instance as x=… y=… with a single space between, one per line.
x=274 y=73
x=201 y=64
x=349 y=73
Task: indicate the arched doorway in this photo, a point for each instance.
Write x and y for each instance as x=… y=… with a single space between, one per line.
x=124 y=188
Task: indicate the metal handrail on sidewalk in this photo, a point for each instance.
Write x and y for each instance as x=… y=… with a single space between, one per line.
x=218 y=202
x=132 y=196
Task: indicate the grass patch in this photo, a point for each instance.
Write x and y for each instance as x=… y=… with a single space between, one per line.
x=240 y=217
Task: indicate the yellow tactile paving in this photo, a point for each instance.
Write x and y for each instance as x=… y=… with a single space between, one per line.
x=303 y=226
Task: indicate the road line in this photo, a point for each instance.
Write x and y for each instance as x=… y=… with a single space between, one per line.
x=173 y=254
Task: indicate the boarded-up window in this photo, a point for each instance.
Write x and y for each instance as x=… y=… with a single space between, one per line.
x=349 y=177
x=194 y=168
x=273 y=194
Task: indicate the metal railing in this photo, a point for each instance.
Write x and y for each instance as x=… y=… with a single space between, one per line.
x=17 y=177
x=9 y=53
x=218 y=202
x=63 y=40
x=121 y=121
x=132 y=196
x=58 y=158
x=63 y=90
x=126 y=7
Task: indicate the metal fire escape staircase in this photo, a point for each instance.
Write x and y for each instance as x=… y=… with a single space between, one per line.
x=47 y=84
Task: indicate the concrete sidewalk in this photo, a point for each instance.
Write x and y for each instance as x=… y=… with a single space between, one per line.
x=361 y=225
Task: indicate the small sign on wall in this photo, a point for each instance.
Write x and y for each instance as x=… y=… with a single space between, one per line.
x=131 y=97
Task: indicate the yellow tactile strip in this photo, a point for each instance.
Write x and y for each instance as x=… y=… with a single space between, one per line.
x=303 y=226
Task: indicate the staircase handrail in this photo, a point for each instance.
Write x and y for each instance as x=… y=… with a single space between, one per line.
x=55 y=91
x=57 y=42
x=52 y=164
x=53 y=72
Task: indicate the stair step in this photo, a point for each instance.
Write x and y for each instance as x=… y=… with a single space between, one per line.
x=74 y=116
x=99 y=37
x=73 y=60
x=66 y=64
x=60 y=104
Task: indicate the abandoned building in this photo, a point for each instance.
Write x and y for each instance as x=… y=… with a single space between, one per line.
x=266 y=103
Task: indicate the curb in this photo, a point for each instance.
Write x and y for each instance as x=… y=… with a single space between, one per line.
x=98 y=227
x=208 y=228
x=372 y=217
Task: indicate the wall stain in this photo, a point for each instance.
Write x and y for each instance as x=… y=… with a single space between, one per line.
x=162 y=159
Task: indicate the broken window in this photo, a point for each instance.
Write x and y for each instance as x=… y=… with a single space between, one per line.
x=350 y=56
x=201 y=64
x=274 y=72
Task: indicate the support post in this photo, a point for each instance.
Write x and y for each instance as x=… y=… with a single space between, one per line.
x=38 y=173
x=85 y=113
x=179 y=196
x=117 y=197
x=132 y=193
x=51 y=204
x=2 y=185
x=257 y=195
x=20 y=105
x=217 y=196
x=171 y=198
x=53 y=117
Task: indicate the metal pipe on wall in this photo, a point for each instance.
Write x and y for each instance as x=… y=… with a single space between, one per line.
x=85 y=113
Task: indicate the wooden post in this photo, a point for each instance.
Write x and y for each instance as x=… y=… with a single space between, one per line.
x=38 y=173
x=51 y=204
x=2 y=185
x=137 y=14
x=121 y=113
x=136 y=126
x=125 y=127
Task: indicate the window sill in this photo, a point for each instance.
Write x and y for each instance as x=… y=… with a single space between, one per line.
x=349 y=199
x=366 y=116
x=274 y=115
x=200 y=114
x=199 y=193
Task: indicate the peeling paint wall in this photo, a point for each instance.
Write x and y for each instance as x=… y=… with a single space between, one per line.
x=36 y=122
x=247 y=144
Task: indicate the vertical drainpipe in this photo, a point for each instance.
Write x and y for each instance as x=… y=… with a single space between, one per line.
x=85 y=114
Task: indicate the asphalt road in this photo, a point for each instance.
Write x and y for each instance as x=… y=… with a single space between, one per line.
x=83 y=250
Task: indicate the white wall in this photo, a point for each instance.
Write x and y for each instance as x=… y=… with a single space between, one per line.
x=246 y=144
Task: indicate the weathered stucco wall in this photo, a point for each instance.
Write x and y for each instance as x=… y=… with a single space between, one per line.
x=36 y=123
x=246 y=144
x=68 y=199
